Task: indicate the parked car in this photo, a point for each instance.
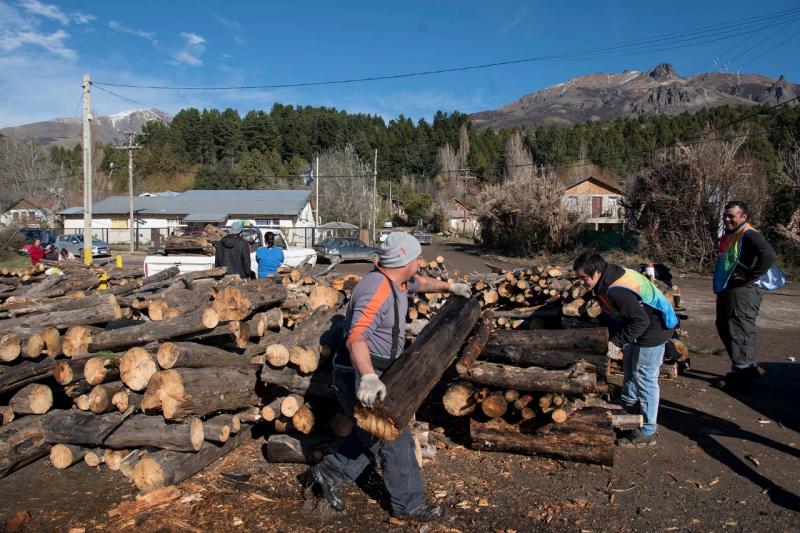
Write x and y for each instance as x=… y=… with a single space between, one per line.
x=384 y=234
x=74 y=245
x=422 y=235
x=337 y=249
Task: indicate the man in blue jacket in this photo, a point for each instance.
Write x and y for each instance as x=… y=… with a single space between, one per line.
x=269 y=257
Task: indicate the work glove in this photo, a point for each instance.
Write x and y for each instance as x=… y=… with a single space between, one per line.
x=370 y=389
x=614 y=352
x=460 y=289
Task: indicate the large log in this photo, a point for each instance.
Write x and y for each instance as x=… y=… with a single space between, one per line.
x=409 y=380
x=548 y=359
x=166 y=467
x=76 y=340
x=159 y=277
x=237 y=303
x=62 y=304
x=234 y=333
x=21 y=442
x=16 y=376
x=589 y=341
x=177 y=303
x=194 y=355
x=587 y=436
x=304 y=449
x=99 y=314
x=578 y=379
x=140 y=431
x=32 y=399
x=200 y=320
x=79 y=427
x=183 y=392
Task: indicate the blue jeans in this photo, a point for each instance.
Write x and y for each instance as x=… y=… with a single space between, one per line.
x=641 y=366
x=401 y=475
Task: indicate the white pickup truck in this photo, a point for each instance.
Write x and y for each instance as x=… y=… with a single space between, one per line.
x=292 y=256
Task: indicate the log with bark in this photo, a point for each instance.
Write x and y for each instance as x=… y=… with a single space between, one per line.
x=166 y=467
x=410 y=379
x=587 y=436
x=477 y=342
x=316 y=337
x=183 y=392
x=22 y=442
x=195 y=322
x=237 y=303
x=195 y=355
x=99 y=314
x=13 y=377
x=303 y=449
x=65 y=455
x=580 y=378
x=32 y=399
x=141 y=431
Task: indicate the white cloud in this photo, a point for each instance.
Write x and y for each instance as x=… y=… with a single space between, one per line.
x=235 y=27
x=83 y=18
x=45 y=10
x=53 y=42
x=193 y=48
x=193 y=38
x=116 y=26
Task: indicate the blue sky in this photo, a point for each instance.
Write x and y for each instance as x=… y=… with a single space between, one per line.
x=45 y=47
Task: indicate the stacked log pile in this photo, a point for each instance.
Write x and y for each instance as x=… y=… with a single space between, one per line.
x=158 y=377
x=203 y=243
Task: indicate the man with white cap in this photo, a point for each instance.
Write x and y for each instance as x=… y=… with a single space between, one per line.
x=374 y=337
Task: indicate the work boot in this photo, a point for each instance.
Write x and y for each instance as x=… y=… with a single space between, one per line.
x=636 y=439
x=329 y=487
x=738 y=380
x=423 y=513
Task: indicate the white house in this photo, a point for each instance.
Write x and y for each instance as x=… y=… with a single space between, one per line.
x=29 y=211
x=158 y=215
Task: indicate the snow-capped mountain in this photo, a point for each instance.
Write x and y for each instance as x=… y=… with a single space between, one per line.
x=107 y=129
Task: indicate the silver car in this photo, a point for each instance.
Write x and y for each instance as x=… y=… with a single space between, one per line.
x=74 y=245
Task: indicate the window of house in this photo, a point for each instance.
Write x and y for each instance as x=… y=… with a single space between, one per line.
x=268 y=222
x=572 y=202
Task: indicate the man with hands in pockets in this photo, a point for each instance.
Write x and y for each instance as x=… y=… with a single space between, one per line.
x=374 y=336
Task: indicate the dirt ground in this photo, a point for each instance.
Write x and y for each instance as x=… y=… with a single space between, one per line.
x=722 y=463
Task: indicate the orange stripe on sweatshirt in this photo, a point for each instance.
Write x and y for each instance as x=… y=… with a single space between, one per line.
x=370 y=312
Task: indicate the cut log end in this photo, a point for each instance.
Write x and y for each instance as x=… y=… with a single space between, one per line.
x=167 y=355
x=136 y=368
x=65 y=455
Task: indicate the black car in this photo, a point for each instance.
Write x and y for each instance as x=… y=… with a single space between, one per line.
x=337 y=249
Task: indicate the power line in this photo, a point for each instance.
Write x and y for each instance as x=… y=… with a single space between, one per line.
x=137 y=102
x=771 y=49
x=693 y=37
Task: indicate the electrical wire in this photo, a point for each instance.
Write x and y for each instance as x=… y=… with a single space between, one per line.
x=693 y=37
x=771 y=49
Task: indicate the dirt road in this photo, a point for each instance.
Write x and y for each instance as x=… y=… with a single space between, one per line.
x=722 y=463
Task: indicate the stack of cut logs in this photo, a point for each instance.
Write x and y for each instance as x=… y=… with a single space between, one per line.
x=204 y=243
x=159 y=376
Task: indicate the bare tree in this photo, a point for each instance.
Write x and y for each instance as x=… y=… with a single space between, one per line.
x=791 y=168
x=345 y=186
x=676 y=204
x=519 y=162
x=25 y=168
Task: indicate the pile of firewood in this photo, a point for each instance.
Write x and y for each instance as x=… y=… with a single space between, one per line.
x=203 y=243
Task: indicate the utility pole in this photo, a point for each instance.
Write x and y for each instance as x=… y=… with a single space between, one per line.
x=130 y=147
x=374 y=195
x=87 y=173
x=466 y=177
x=391 y=205
x=316 y=180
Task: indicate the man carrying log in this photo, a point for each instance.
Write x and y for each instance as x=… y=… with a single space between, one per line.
x=743 y=257
x=640 y=322
x=373 y=338
x=234 y=252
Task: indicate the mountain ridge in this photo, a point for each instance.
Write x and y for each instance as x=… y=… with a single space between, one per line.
x=631 y=93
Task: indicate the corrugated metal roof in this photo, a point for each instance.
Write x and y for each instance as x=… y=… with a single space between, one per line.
x=235 y=202
x=206 y=217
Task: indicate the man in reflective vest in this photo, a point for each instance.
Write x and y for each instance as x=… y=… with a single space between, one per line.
x=640 y=321
x=374 y=337
x=743 y=257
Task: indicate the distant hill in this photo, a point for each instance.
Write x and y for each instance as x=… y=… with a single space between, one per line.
x=68 y=131
x=632 y=93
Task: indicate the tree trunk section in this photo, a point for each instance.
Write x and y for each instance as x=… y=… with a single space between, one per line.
x=587 y=436
x=33 y=399
x=410 y=379
x=65 y=455
x=303 y=449
x=184 y=392
x=21 y=442
x=476 y=343
x=200 y=320
x=99 y=314
x=195 y=355
x=579 y=379
x=163 y=468
x=140 y=431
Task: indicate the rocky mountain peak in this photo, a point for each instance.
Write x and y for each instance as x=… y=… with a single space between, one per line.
x=664 y=72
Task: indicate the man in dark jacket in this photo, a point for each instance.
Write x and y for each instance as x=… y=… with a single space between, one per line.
x=744 y=255
x=640 y=321
x=234 y=252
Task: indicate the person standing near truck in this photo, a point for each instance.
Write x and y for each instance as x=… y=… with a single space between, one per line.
x=269 y=257
x=36 y=252
x=233 y=252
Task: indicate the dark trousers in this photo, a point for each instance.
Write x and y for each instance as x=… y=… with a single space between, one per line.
x=737 y=310
x=401 y=475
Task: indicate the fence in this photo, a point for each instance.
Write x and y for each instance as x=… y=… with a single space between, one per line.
x=605 y=241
